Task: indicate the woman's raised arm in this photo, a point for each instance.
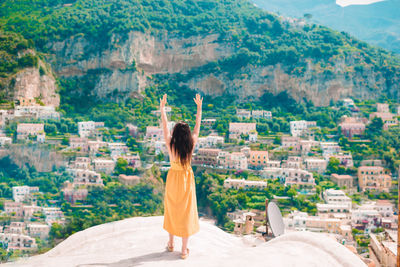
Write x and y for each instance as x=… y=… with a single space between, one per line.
x=164 y=120
x=199 y=101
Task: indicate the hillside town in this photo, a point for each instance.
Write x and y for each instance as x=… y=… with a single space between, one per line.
x=297 y=159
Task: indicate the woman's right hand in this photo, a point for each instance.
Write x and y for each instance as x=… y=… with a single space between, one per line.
x=163 y=101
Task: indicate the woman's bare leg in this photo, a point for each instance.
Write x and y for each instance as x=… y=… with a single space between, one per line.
x=184 y=244
x=171 y=240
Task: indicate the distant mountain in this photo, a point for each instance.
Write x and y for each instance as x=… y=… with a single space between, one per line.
x=377 y=23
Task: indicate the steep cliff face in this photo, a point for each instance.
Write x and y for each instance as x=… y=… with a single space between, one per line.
x=29 y=83
x=320 y=88
x=39 y=156
x=125 y=65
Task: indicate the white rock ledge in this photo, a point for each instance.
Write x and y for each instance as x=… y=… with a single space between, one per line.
x=141 y=241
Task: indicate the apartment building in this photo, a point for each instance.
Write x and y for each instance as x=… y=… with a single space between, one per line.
x=104 y=165
x=209 y=141
x=23 y=193
x=316 y=165
x=343 y=180
x=243 y=113
x=350 y=126
x=73 y=194
x=374 y=178
x=244 y=184
x=258 y=159
x=154 y=133
x=233 y=160
x=236 y=129
x=291 y=143
x=293 y=162
x=79 y=143
x=88 y=177
x=298 y=128
x=206 y=156
x=24 y=130
x=258 y=114
x=20 y=242
x=39 y=230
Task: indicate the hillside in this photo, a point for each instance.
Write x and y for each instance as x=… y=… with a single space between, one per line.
x=105 y=50
x=141 y=241
x=23 y=73
x=376 y=23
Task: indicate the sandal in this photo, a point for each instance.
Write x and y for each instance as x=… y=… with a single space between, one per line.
x=170 y=248
x=184 y=256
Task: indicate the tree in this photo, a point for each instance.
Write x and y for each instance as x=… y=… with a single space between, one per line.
x=375 y=127
x=121 y=166
x=333 y=165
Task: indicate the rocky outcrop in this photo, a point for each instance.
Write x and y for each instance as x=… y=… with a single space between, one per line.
x=38 y=156
x=124 y=66
x=320 y=88
x=30 y=84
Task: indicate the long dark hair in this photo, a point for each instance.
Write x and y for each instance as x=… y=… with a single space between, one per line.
x=182 y=142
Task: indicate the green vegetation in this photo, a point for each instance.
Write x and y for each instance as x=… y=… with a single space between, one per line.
x=110 y=203
x=12 y=175
x=256 y=38
x=11 y=61
x=213 y=196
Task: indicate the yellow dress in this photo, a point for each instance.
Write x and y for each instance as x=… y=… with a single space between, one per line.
x=180 y=204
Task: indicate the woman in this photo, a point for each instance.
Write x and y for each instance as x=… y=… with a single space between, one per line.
x=180 y=205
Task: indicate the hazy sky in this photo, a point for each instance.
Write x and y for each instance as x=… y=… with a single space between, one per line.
x=356 y=2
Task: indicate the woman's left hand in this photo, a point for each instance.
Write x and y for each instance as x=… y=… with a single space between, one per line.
x=163 y=101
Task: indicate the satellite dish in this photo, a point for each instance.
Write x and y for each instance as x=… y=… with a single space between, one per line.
x=275 y=219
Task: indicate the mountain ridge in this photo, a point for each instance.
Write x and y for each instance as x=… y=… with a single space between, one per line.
x=253 y=52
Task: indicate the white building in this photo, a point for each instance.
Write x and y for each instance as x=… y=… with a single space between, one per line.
x=336 y=202
x=117 y=149
x=104 y=165
x=257 y=114
x=160 y=148
x=88 y=177
x=348 y=102
x=253 y=137
x=53 y=215
x=85 y=128
x=316 y=165
x=22 y=193
x=18 y=242
x=234 y=160
x=4 y=141
x=289 y=176
x=367 y=214
x=37 y=112
x=39 y=230
x=209 y=141
x=243 y=113
x=245 y=184
x=385 y=208
x=297 y=128
x=329 y=149
x=333 y=196
x=154 y=133
x=237 y=129
x=24 y=130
